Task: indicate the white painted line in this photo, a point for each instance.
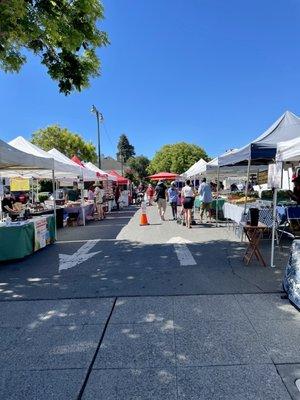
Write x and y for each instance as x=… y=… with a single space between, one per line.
x=184 y=255
x=67 y=261
x=84 y=241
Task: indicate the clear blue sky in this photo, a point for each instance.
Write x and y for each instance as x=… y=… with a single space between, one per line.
x=211 y=72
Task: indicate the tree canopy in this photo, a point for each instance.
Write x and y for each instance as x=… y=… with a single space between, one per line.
x=62 y=33
x=176 y=158
x=138 y=168
x=65 y=141
x=125 y=149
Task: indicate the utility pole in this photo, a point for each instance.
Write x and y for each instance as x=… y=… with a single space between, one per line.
x=99 y=117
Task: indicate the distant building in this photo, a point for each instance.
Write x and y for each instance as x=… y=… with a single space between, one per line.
x=108 y=163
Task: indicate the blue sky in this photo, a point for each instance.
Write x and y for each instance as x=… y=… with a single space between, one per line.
x=212 y=72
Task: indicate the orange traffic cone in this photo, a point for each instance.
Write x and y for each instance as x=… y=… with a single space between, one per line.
x=143 y=217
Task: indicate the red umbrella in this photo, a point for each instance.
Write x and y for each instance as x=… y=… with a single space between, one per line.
x=169 y=176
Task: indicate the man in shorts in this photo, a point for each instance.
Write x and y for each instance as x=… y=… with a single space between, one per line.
x=206 y=197
x=161 y=199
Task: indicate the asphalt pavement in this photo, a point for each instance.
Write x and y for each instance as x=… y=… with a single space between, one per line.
x=116 y=311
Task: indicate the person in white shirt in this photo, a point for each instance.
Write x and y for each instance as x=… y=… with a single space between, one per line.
x=188 y=202
x=206 y=197
x=99 y=197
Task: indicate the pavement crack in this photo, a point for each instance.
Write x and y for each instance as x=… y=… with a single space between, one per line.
x=282 y=380
x=90 y=368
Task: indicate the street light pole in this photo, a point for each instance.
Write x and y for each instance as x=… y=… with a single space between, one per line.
x=99 y=117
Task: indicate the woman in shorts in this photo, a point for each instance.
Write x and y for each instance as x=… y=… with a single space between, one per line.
x=188 y=202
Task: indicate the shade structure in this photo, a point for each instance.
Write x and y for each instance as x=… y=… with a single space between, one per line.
x=163 y=175
x=62 y=170
x=77 y=161
x=83 y=172
x=262 y=150
x=100 y=172
x=14 y=159
x=289 y=150
x=120 y=179
x=195 y=169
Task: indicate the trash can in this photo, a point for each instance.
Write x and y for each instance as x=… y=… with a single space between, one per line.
x=254 y=216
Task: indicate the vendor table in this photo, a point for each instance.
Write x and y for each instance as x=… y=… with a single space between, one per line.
x=236 y=213
x=254 y=235
x=22 y=239
x=78 y=209
x=221 y=202
x=233 y=212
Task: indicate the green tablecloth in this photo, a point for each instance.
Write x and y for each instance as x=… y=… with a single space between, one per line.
x=18 y=241
x=221 y=202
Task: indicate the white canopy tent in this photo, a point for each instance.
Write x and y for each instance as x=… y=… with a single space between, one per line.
x=93 y=167
x=62 y=170
x=84 y=173
x=194 y=169
x=12 y=159
x=262 y=150
x=288 y=151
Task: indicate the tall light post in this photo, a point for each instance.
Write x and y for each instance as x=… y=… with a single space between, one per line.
x=99 y=117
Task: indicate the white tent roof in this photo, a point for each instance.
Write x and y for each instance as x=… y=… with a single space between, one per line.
x=289 y=150
x=87 y=174
x=195 y=168
x=62 y=170
x=263 y=148
x=211 y=168
x=13 y=159
x=93 y=167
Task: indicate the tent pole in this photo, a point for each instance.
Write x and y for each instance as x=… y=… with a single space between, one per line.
x=54 y=203
x=82 y=199
x=247 y=182
x=217 y=201
x=32 y=190
x=273 y=227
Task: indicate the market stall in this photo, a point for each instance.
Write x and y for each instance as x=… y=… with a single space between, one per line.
x=262 y=150
x=30 y=235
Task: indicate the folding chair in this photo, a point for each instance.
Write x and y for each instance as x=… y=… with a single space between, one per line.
x=291 y=226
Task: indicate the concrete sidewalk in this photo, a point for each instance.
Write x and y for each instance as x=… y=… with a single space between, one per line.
x=133 y=323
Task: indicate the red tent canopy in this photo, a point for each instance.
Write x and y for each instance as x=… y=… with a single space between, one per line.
x=120 y=179
x=77 y=161
x=163 y=175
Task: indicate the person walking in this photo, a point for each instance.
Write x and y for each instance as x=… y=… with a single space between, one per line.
x=161 y=199
x=173 y=199
x=150 y=194
x=117 y=196
x=188 y=202
x=206 y=197
x=98 y=198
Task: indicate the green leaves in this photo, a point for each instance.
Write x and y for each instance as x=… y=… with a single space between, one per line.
x=176 y=158
x=125 y=149
x=65 y=141
x=63 y=33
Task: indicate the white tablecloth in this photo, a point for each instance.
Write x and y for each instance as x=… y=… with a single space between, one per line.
x=233 y=212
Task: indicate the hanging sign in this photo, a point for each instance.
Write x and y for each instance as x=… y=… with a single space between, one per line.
x=19 y=184
x=275 y=175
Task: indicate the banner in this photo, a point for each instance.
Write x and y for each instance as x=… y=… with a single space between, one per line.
x=40 y=233
x=19 y=184
x=275 y=175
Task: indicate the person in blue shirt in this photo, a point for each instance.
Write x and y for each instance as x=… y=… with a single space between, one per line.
x=173 y=199
x=206 y=197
